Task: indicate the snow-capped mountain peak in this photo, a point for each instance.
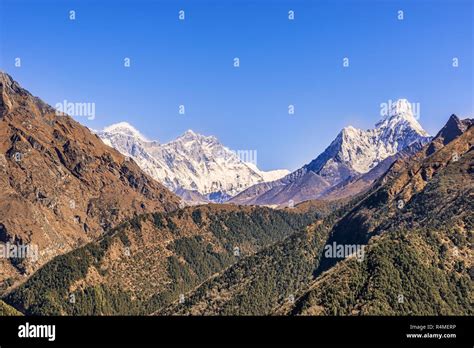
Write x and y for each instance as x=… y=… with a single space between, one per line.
x=351 y=154
x=191 y=162
x=401 y=107
x=400 y=113
x=124 y=128
x=356 y=151
x=350 y=131
x=191 y=136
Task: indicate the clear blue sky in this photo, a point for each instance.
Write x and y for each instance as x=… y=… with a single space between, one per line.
x=282 y=62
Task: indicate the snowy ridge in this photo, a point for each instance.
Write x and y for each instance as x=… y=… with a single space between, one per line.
x=192 y=162
x=271 y=175
x=359 y=151
x=124 y=128
x=195 y=164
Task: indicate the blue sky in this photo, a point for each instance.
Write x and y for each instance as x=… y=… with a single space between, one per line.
x=282 y=62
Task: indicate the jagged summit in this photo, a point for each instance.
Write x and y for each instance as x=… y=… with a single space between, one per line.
x=189 y=132
x=191 y=136
x=455 y=127
x=12 y=96
x=400 y=114
x=191 y=162
x=9 y=87
x=7 y=80
x=358 y=150
x=353 y=152
x=124 y=128
x=451 y=130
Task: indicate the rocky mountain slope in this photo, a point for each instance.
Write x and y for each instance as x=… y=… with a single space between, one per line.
x=358 y=184
x=60 y=186
x=422 y=262
x=353 y=153
x=112 y=240
x=415 y=225
x=196 y=167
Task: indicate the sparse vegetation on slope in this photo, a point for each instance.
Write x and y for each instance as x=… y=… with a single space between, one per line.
x=6 y=310
x=148 y=261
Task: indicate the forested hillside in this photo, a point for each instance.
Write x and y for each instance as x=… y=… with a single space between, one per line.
x=149 y=261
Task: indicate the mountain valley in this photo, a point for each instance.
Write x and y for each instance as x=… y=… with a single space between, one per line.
x=128 y=226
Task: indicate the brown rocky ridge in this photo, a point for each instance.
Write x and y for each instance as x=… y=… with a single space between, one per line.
x=60 y=185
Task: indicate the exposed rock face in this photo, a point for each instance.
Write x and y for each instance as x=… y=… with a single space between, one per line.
x=361 y=183
x=60 y=185
x=452 y=129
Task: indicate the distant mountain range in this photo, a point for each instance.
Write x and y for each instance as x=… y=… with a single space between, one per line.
x=196 y=167
x=200 y=169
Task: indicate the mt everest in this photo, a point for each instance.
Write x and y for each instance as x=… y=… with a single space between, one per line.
x=196 y=167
